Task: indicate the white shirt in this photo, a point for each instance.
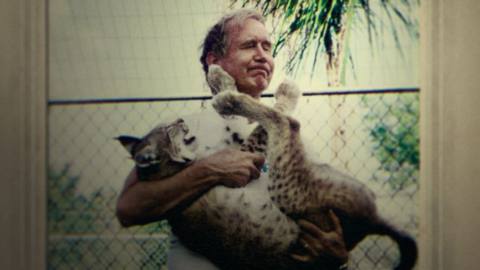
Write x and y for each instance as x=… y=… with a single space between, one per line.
x=210 y=130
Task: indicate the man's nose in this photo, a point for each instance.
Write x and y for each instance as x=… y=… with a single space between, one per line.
x=260 y=54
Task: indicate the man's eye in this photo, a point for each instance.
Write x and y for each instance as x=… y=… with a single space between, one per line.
x=249 y=43
x=267 y=47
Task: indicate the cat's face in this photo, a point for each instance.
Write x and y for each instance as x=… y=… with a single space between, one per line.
x=165 y=146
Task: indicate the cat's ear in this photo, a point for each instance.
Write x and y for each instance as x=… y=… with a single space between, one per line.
x=128 y=142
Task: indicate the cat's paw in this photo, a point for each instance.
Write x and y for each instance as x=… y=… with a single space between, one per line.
x=287 y=96
x=288 y=89
x=226 y=103
x=219 y=80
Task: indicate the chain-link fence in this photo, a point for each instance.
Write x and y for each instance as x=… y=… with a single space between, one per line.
x=370 y=135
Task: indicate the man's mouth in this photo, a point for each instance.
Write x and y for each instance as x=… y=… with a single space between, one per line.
x=259 y=71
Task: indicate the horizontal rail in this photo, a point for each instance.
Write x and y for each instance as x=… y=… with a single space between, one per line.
x=74 y=237
x=58 y=102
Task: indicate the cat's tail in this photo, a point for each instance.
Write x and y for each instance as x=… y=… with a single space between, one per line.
x=406 y=243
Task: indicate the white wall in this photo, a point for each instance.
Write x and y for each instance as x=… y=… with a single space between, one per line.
x=120 y=48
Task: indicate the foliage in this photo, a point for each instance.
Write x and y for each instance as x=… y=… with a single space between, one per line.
x=316 y=23
x=393 y=125
x=79 y=225
x=68 y=210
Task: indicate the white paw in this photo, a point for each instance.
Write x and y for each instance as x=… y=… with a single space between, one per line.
x=226 y=103
x=286 y=96
x=288 y=89
x=219 y=80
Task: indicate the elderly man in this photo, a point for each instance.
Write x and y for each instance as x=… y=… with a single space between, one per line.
x=241 y=45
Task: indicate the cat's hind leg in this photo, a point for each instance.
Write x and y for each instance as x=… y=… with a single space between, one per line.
x=286 y=97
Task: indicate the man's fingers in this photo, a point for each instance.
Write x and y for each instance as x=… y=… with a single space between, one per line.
x=310 y=228
x=254 y=173
x=258 y=160
x=301 y=258
x=310 y=245
x=336 y=222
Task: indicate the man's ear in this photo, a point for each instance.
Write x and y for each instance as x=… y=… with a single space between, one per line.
x=128 y=142
x=212 y=58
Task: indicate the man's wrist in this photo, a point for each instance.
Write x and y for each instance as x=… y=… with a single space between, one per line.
x=202 y=171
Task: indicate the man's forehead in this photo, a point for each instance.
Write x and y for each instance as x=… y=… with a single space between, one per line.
x=253 y=38
x=240 y=28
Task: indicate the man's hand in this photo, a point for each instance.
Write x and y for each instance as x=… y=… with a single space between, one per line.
x=316 y=243
x=234 y=168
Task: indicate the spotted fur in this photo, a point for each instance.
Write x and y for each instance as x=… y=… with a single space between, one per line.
x=302 y=188
x=237 y=229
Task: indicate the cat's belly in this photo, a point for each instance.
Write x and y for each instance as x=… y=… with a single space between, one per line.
x=241 y=219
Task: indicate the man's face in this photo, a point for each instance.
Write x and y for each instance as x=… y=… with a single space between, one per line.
x=249 y=57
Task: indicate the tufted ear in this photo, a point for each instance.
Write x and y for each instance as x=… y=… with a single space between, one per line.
x=128 y=142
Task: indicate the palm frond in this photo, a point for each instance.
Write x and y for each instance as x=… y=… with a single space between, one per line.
x=314 y=24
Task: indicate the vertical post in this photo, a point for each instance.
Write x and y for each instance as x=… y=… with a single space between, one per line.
x=450 y=141
x=23 y=134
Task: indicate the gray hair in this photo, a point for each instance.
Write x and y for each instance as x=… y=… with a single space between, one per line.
x=216 y=40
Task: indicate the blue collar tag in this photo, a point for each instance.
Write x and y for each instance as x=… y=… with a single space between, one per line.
x=265 y=167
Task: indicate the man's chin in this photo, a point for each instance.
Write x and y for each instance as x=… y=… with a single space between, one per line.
x=254 y=87
x=260 y=83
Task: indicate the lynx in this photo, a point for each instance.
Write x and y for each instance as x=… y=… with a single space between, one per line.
x=303 y=188
x=253 y=227
x=236 y=228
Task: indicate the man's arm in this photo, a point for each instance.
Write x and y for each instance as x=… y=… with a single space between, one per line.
x=141 y=202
